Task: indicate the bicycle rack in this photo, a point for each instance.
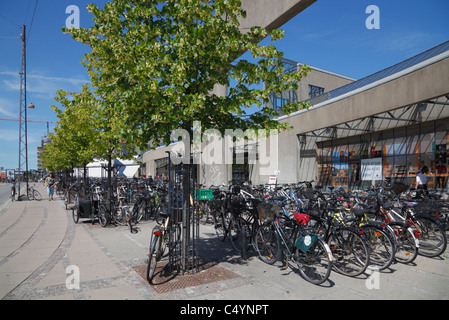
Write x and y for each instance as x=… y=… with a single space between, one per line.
x=184 y=225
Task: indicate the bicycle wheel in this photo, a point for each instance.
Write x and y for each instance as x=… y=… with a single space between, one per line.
x=431 y=235
x=406 y=243
x=36 y=195
x=140 y=211
x=220 y=224
x=206 y=213
x=154 y=254
x=75 y=215
x=349 y=250
x=161 y=212
x=119 y=216
x=265 y=243
x=382 y=246
x=103 y=216
x=315 y=264
x=239 y=234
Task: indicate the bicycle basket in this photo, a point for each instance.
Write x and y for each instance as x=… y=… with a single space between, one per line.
x=204 y=194
x=308 y=194
x=267 y=210
x=305 y=242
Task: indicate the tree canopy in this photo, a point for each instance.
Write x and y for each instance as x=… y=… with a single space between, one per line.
x=154 y=64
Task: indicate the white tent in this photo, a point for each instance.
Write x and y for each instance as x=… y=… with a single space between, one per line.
x=98 y=168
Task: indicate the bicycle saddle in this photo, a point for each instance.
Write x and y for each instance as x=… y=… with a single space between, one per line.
x=410 y=204
x=358 y=211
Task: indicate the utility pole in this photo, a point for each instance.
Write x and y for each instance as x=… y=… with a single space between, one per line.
x=23 y=132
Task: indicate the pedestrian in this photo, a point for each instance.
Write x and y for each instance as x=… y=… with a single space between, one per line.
x=441 y=172
x=357 y=174
x=50 y=182
x=421 y=180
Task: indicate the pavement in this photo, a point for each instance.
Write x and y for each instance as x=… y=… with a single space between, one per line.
x=44 y=255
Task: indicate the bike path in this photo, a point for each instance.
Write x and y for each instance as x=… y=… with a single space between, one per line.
x=41 y=246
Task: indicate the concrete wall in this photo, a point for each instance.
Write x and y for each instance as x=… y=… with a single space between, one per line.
x=323 y=79
x=424 y=84
x=271 y=14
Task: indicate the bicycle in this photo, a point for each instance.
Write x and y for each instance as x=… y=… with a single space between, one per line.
x=162 y=236
x=295 y=241
x=407 y=244
x=33 y=194
x=381 y=243
x=428 y=229
x=349 y=249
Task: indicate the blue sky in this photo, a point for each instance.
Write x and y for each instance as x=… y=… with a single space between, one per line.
x=330 y=35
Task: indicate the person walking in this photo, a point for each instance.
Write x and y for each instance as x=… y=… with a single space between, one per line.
x=441 y=175
x=50 y=183
x=421 y=180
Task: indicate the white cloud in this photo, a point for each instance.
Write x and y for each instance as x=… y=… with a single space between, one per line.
x=7 y=108
x=41 y=84
x=8 y=135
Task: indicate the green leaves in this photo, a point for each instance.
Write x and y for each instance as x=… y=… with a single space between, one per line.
x=154 y=64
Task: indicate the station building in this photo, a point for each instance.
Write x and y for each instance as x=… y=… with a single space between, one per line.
x=391 y=123
x=360 y=132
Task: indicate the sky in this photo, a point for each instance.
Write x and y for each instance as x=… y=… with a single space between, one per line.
x=330 y=35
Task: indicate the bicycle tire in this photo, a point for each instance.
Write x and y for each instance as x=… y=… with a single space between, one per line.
x=431 y=235
x=75 y=215
x=381 y=244
x=119 y=216
x=315 y=265
x=220 y=225
x=265 y=243
x=206 y=213
x=153 y=256
x=407 y=245
x=349 y=250
x=36 y=195
x=161 y=212
x=103 y=216
x=141 y=211
x=240 y=233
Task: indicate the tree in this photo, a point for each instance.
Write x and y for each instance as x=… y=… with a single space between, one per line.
x=156 y=64
x=82 y=132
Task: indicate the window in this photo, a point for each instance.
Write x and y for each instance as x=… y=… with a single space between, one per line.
x=315 y=91
x=279 y=102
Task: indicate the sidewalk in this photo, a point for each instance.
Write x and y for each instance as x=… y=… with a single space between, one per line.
x=41 y=248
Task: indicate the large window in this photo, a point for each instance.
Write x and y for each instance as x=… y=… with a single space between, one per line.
x=315 y=91
x=403 y=150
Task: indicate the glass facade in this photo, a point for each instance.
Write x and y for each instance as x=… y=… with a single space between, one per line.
x=403 y=151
